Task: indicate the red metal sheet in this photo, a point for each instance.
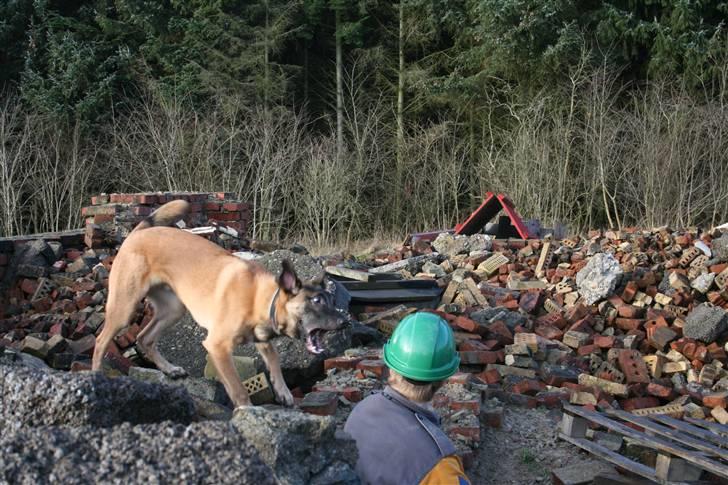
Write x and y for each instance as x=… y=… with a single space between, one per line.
x=487 y=210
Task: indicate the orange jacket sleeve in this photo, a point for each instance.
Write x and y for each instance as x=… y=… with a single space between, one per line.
x=448 y=471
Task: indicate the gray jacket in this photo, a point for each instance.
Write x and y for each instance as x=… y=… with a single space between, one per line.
x=399 y=441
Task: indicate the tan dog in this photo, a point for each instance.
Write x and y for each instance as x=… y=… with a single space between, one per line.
x=236 y=301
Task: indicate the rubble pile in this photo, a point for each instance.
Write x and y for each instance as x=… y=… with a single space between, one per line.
x=631 y=319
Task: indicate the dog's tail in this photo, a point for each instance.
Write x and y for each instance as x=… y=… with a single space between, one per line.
x=167 y=215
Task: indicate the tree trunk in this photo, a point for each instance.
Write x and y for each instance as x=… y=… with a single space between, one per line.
x=339 y=90
x=400 y=115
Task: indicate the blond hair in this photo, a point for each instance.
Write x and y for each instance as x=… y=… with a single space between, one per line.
x=417 y=391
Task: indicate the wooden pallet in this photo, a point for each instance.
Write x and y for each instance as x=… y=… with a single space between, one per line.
x=684 y=450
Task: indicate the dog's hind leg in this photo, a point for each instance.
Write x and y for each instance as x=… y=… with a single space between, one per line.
x=168 y=309
x=270 y=357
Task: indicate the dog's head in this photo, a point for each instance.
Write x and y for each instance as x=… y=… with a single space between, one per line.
x=308 y=310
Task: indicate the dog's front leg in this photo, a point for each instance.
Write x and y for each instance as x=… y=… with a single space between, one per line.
x=221 y=354
x=270 y=357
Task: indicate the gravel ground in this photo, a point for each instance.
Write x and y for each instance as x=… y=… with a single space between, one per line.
x=525 y=449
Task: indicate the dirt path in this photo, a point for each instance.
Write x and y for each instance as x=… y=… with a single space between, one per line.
x=525 y=449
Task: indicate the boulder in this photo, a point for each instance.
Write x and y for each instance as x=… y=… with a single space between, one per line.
x=598 y=278
x=34 y=397
x=299 y=447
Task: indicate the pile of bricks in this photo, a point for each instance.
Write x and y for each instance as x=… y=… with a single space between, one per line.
x=527 y=333
x=111 y=217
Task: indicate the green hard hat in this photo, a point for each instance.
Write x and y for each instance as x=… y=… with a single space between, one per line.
x=422 y=347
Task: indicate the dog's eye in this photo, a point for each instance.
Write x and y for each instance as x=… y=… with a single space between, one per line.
x=316 y=300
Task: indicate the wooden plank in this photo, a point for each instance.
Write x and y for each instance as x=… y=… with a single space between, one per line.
x=396 y=312
x=653 y=442
x=689 y=428
x=612 y=457
x=352 y=274
x=716 y=428
x=670 y=433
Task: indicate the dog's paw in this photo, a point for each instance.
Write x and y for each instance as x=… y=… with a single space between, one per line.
x=285 y=398
x=175 y=372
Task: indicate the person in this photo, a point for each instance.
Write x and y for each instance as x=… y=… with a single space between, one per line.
x=397 y=432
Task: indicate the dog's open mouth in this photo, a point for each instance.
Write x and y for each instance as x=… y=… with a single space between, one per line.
x=314 y=342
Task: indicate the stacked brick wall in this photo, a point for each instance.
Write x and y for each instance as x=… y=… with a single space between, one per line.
x=111 y=217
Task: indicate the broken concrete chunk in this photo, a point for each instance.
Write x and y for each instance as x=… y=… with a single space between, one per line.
x=705 y=323
x=598 y=278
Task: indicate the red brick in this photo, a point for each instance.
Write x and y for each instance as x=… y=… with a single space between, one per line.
x=145 y=199
x=459 y=378
x=588 y=349
x=549 y=332
x=639 y=403
x=212 y=206
x=552 y=399
x=471 y=432
x=121 y=198
x=224 y=216
x=466 y=324
x=481 y=357
x=320 y=403
x=473 y=345
x=658 y=390
x=630 y=311
x=471 y=404
x=353 y=394
x=627 y=324
x=530 y=387
x=530 y=301
x=500 y=331
x=719 y=399
x=629 y=292
x=633 y=366
x=604 y=341
x=42 y=304
x=489 y=377
x=234 y=206
x=492 y=417
x=28 y=286
x=341 y=363
x=376 y=366
x=554 y=320
x=142 y=211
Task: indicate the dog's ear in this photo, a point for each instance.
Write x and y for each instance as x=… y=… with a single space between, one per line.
x=288 y=280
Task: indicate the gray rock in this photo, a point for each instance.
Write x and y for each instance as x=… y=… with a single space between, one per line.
x=487 y=316
x=598 y=278
x=434 y=269
x=720 y=248
x=307 y=268
x=300 y=448
x=210 y=452
x=38 y=398
x=450 y=245
x=199 y=387
x=705 y=323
